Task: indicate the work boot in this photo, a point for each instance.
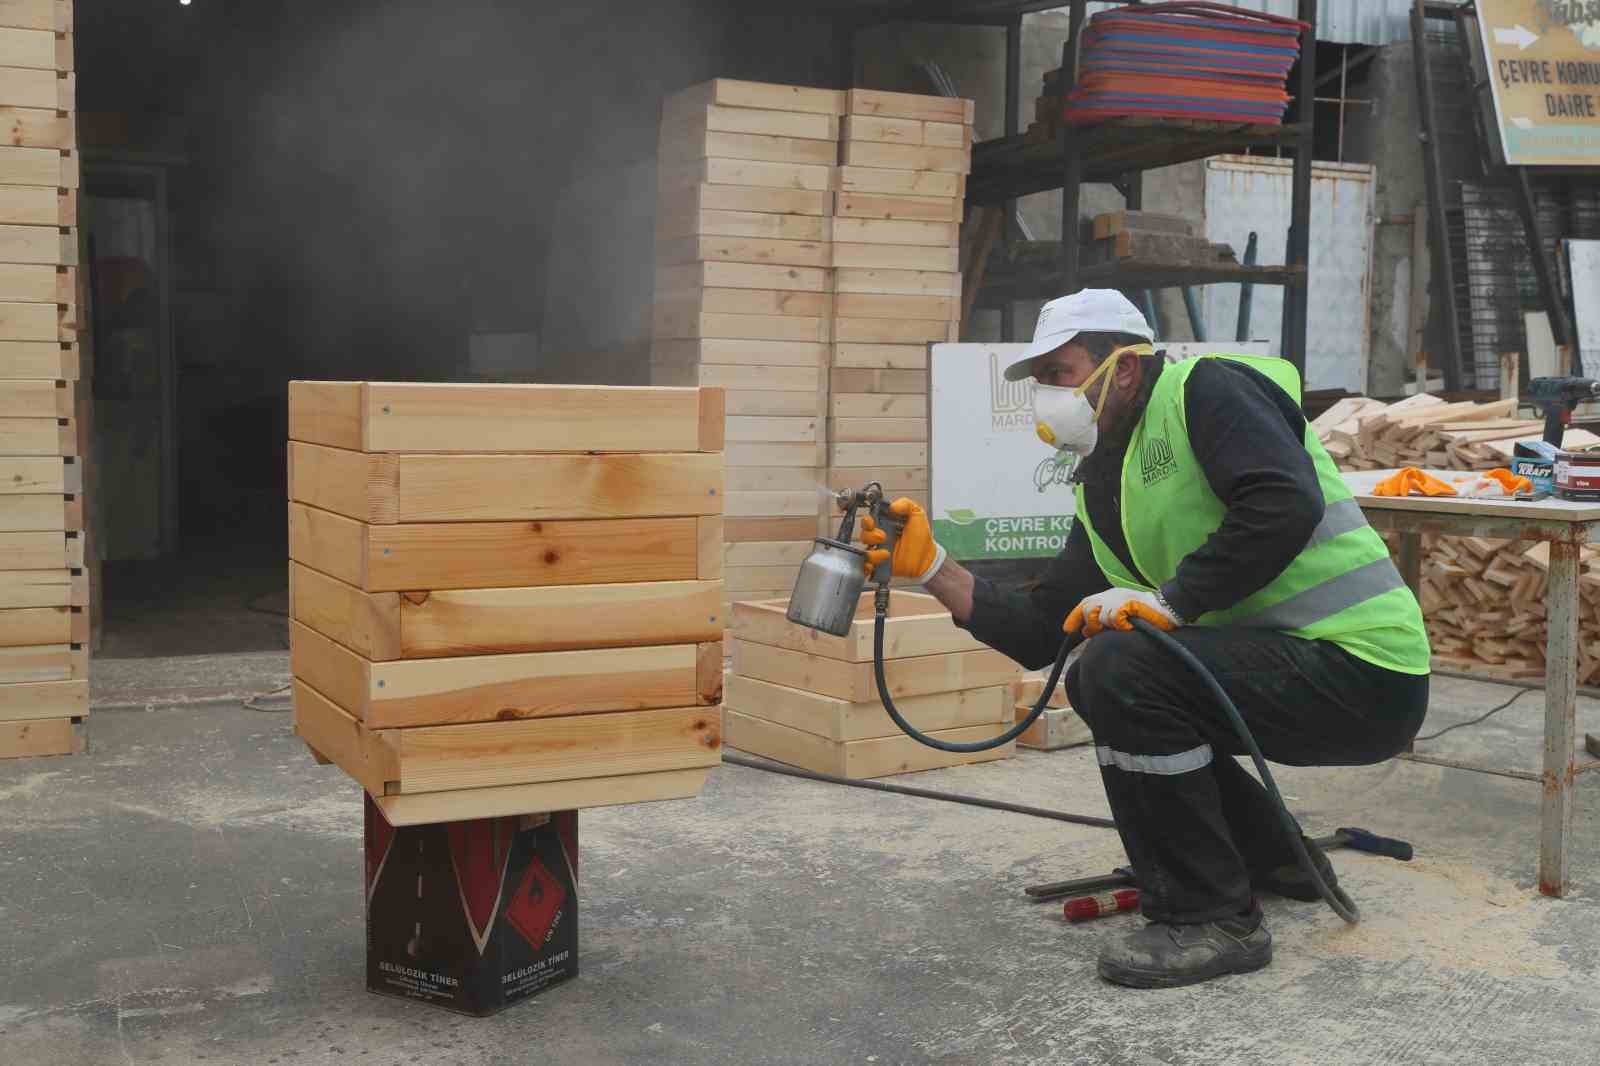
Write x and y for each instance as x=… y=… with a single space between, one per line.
x=1291 y=881
x=1167 y=954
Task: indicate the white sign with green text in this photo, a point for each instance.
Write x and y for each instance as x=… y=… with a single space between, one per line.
x=997 y=491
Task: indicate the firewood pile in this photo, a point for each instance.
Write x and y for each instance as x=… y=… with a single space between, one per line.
x=1483 y=600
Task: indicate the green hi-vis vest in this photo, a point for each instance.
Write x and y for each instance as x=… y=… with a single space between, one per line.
x=1342 y=587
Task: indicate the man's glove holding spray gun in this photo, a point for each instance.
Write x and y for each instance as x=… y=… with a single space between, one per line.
x=916 y=554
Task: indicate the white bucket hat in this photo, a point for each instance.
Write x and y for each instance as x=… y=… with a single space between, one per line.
x=1085 y=311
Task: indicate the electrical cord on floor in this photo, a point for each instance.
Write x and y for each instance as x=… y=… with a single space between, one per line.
x=921 y=793
x=249 y=702
x=1484 y=717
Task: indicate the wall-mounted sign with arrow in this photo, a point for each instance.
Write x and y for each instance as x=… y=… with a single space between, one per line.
x=1544 y=67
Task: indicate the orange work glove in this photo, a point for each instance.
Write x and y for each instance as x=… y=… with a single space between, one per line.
x=916 y=556
x=1114 y=608
x=1484 y=484
x=1412 y=480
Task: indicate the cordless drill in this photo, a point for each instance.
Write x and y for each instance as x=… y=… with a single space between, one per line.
x=1557 y=397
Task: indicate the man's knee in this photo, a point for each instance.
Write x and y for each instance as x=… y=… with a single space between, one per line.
x=1112 y=670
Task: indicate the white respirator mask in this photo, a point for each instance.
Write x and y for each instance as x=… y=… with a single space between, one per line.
x=1064 y=418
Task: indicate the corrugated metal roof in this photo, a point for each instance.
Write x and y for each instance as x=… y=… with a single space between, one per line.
x=1339 y=21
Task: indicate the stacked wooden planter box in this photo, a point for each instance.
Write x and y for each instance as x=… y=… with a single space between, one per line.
x=44 y=630
x=897 y=232
x=810 y=699
x=506 y=599
x=744 y=297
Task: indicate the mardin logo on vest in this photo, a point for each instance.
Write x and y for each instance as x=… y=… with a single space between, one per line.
x=1156 y=461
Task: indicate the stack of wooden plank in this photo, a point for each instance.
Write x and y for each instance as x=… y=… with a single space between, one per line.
x=897 y=233
x=44 y=629
x=1151 y=237
x=1482 y=600
x=809 y=699
x=506 y=599
x=1058 y=727
x=744 y=300
x=1423 y=430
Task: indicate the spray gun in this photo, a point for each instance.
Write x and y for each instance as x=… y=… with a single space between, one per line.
x=834 y=575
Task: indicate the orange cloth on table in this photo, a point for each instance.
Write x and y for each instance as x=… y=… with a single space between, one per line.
x=1512 y=483
x=1412 y=480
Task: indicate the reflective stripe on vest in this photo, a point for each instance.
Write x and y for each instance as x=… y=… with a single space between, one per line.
x=1305 y=609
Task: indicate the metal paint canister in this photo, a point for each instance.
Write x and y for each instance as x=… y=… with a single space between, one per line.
x=1577 y=476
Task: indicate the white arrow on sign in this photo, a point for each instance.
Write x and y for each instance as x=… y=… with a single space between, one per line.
x=1518 y=35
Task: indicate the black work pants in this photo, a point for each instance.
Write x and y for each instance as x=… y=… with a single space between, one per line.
x=1195 y=824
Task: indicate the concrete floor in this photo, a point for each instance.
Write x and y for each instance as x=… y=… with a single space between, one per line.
x=189 y=892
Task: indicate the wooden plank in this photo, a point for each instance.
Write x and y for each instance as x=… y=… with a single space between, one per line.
x=895 y=231
x=38 y=166
x=32 y=127
x=898 y=454
x=747 y=172
x=742 y=581
x=370 y=758
x=698 y=196
x=507 y=688
x=743 y=276
x=38 y=244
x=747 y=224
x=669 y=324
x=54 y=736
x=918 y=625
x=882 y=130
x=330 y=668
x=558 y=618
x=947 y=135
x=746 y=302
x=900 y=208
x=41 y=89
x=771 y=402
x=352 y=483
x=39 y=663
x=744 y=428
x=32 y=475
x=37 y=360
x=771 y=504
x=38 y=436
x=839 y=720
x=879 y=381
x=35 y=399
x=463 y=488
x=427 y=808
x=773 y=478
x=914 y=478
x=760 y=121
x=33 y=551
x=892 y=331
x=713 y=351
x=772 y=553
x=850 y=430
x=25 y=513
x=852 y=681
x=880 y=757
x=395 y=558
x=815 y=253
x=869 y=280
x=403 y=417
x=328 y=413
x=806 y=379
x=763 y=530
x=434 y=759
x=21 y=628
x=878 y=405
x=44 y=699
x=1055 y=729
x=1114 y=222
x=883 y=104
x=681 y=141
x=882 y=181
x=32 y=282
x=870 y=306
x=29 y=48
x=713 y=413
x=52 y=15
x=897 y=257
x=365 y=622
x=905 y=157
x=708 y=548
x=729 y=92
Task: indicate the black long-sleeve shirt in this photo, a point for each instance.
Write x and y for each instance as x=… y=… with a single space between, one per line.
x=1247 y=435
